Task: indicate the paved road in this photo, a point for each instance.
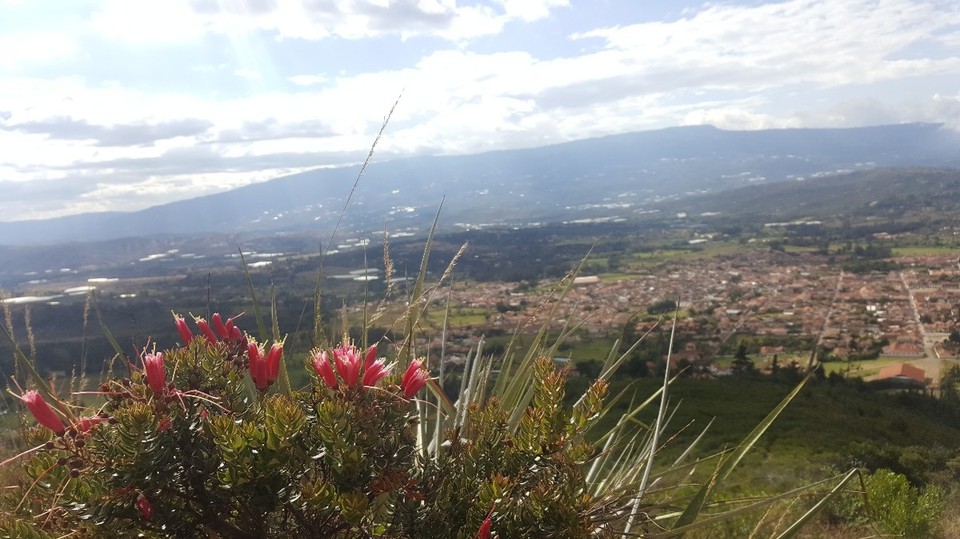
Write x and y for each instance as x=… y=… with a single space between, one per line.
x=932 y=364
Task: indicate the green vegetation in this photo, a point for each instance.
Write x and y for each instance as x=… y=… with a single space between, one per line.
x=905 y=444
x=208 y=451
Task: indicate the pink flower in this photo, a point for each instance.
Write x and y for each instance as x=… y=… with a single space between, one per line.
x=42 y=412
x=347 y=360
x=156 y=377
x=143 y=505
x=414 y=379
x=321 y=364
x=207 y=332
x=185 y=335
x=264 y=369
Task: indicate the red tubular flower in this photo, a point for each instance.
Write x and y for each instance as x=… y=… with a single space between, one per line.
x=273 y=361
x=373 y=372
x=264 y=369
x=87 y=423
x=258 y=365
x=414 y=379
x=370 y=357
x=156 y=377
x=348 y=364
x=42 y=412
x=207 y=332
x=185 y=335
x=321 y=364
x=373 y=369
x=235 y=333
x=143 y=505
x=220 y=326
x=485 y=528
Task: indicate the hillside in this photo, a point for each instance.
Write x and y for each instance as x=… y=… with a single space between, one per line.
x=910 y=193
x=609 y=178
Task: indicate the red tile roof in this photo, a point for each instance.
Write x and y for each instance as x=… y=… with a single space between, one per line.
x=903 y=370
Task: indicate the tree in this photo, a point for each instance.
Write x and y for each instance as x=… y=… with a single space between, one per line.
x=742 y=364
x=591 y=368
x=663 y=306
x=950 y=384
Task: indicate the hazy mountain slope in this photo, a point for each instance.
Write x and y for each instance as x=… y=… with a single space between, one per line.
x=575 y=180
x=910 y=192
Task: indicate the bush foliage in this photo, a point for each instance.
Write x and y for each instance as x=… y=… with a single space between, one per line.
x=207 y=453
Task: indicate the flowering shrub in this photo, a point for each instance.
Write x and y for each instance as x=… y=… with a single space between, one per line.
x=187 y=445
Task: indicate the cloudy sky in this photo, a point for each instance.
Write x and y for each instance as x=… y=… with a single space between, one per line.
x=123 y=104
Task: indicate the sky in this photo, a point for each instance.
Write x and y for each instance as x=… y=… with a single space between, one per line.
x=117 y=105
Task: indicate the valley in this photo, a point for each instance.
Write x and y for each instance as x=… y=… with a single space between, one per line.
x=871 y=292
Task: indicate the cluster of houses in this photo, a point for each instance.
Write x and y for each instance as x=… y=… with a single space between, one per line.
x=790 y=300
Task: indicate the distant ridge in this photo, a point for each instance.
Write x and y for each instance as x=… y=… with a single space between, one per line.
x=930 y=194
x=580 y=179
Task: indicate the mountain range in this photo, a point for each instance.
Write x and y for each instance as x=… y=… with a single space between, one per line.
x=613 y=177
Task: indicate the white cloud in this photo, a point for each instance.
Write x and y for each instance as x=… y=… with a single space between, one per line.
x=147 y=22
x=29 y=48
x=308 y=80
x=734 y=117
x=784 y=64
x=947 y=109
x=802 y=41
x=249 y=74
x=531 y=10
